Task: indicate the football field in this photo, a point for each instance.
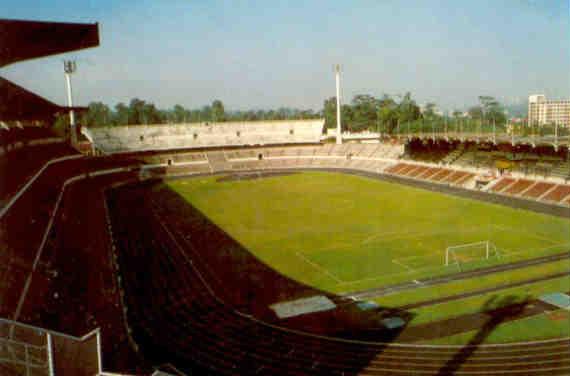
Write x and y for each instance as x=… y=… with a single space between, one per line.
x=343 y=232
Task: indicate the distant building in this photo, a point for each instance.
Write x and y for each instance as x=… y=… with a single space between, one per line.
x=542 y=111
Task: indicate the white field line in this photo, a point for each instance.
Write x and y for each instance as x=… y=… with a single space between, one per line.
x=395 y=261
x=401 y=260
x=411 y=234
x=404 y=235
x=509 y=253
x=532 y=235
x=319 y=268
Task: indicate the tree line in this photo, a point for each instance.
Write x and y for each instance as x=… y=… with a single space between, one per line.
x=139 y=112
x=387 y=114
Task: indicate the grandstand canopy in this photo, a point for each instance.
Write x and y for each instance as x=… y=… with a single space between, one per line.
x=23 y=40
x=19 y=104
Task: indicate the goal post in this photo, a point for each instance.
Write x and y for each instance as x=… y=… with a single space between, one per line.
x=483 y=249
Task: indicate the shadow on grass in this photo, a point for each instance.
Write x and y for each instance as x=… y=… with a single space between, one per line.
x=498 y=310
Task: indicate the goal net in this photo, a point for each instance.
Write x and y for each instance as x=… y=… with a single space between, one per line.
x=463 y=253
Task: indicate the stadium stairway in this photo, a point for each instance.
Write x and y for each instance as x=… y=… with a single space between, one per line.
x=218 y=161
x=561 y=170
x=454 y=155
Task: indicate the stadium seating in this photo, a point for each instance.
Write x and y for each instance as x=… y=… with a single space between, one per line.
x=558 y=194
x=32 y=212
x=185 y=136
x=19 y=165
x=562 y=170
x=537 y=189
x=532 y=189
x=433 y=174
x=520 y=186
x=12 y=137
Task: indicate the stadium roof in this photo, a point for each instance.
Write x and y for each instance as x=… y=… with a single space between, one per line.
x=23 y=40
x=17 y=103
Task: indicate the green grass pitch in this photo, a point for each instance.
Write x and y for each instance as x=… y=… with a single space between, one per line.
x=342 y=232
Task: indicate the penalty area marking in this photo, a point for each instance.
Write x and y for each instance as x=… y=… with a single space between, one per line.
x=318 y=267
x=397 y=235
x=503 y=228
x=410 y=269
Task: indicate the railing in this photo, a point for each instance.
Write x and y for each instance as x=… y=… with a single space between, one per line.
x=28 y=350
x=475 y=130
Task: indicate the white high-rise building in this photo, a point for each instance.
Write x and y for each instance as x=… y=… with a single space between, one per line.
x=542 y=111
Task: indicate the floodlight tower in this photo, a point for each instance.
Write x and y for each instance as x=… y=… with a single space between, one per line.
x=69 y=68
x=338 y=129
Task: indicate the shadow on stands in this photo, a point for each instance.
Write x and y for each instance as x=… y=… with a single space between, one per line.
x=499 y=310
x=198 y=300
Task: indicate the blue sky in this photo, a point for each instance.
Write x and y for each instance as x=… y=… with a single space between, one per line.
x=263 y=54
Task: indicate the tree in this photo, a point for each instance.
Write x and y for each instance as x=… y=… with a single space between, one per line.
x=329 y=112
x=388 y=113
x=365 y=112
x=429 y=111
x=121 y=114
x=217 y=111
x=347 y=118
x=180 y=114
x=136 y=112
x=457 y=114
x=98 y=114
x=408 y=110
x=475 y=112
x=491 y=109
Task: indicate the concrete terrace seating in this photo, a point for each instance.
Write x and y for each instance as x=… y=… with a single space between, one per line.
x=518 y=187
x=19 y=165
x=558 y=194
x=503 y=183
x=26 y=135
x=561 y=170
x=321 y=156
x=430 y=173
x=533 y=190
x=454 y=155
x=364 y=157
x=184 y=136
x=32 y=212
x=538 y=189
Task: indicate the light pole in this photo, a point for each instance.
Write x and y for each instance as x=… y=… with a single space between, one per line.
x=494 y=132
x=338 y=127
x=556 y=136
x=69 y=68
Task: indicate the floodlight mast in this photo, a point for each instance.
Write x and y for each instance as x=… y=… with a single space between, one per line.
x=338 y=128
x=69 y=67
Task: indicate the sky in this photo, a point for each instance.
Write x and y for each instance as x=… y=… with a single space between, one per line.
x=269 y=54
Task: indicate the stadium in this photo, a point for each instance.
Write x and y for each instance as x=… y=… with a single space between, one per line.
x=266 y=248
